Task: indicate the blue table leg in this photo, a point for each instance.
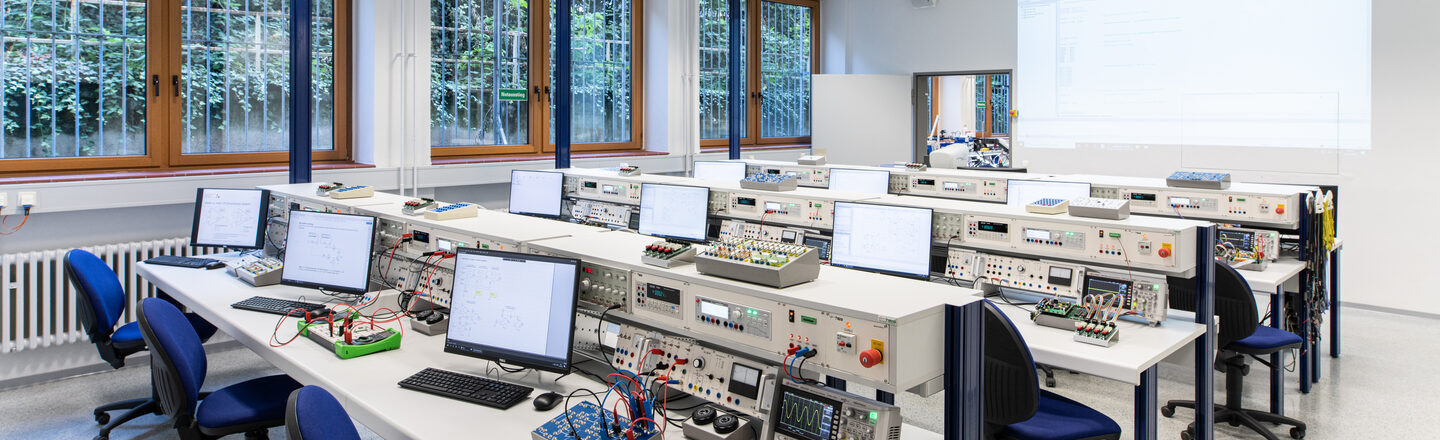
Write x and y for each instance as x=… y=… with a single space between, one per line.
x=964 y=371
x=1147 y=427
x=1205 y=344
x=1335 y=304
x=1277 y=359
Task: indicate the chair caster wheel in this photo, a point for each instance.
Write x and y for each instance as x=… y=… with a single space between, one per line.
x=102 y=437
x=1186 y=435
x=1049 y=382
x=1234 y=423
x=1167 y=411
x=1297 y=433
x=102 y=418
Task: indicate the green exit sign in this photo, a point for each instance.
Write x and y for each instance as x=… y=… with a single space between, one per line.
x=979 y=104
x=513 y=95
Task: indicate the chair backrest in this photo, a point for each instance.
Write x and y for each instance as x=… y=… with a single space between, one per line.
x=313 y=414
x=101 y=298
x=1012 y=390
x=1234 y=303
x=177 y=358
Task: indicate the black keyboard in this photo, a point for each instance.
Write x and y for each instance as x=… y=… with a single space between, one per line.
x=465 y=387
x=278 y=306
x=178 y=261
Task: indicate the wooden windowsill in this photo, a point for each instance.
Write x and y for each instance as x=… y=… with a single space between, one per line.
x=722 y=149
x=167 y=173
x=535 y=157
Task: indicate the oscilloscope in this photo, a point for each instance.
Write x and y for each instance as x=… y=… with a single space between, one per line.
x=814 y=412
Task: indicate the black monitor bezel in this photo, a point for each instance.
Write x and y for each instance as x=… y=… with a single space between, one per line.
x=498 y=354
x=704 y=229
x=369 y=265
x=263 y=220
x=931 y=241
x=510 y=195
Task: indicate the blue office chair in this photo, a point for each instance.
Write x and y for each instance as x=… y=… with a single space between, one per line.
x=1016 y=407
x=1240 y=335
x=102 y=301
x=314 y=414
x=177 y=367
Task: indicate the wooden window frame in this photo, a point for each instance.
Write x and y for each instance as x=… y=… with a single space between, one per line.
x=539 y=107
x=754 y=138
x=162 y=118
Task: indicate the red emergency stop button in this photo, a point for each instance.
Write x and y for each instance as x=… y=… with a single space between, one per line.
x=1279 y=209
x=870 y=358
x=1164 y=252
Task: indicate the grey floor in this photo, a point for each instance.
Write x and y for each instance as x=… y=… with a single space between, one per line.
x=1383 y=387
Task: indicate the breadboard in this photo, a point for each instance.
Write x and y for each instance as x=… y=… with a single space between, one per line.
x=365 y=338
x=353 y=192
x=450 y=212
x=590 y=422
x=769 y=263
x=1190 y=179
x=1048 y=206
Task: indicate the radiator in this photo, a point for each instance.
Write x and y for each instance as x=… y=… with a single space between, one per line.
x=38 y=306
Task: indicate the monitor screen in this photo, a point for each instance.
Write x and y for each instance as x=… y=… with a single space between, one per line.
x=720 y=171
x=890 y=239
x=674 y=211
x=1022 y=192
x=1242 y=240
x=329 y=251
x=860 y=181
x=1099 y=286
x=536 y=192
x=513 y=308
x=804 y=415
x=233 y=218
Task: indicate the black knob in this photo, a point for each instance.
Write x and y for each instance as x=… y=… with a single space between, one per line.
x=704 y=415
x=726 y=424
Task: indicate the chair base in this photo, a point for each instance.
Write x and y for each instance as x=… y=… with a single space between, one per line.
x=135 y=407
x=1251 y=418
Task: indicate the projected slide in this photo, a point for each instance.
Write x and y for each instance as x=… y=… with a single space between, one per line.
x=1227 y=73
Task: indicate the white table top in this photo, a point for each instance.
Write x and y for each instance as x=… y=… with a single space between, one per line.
x=1140 y=346
x=490 y=224
x=366 y=385
x=1279 y=272
x=306 y=191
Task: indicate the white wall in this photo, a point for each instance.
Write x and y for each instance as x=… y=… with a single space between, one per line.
x=1378 y=187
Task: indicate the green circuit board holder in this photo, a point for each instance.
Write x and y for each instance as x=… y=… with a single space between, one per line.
x=366 y=338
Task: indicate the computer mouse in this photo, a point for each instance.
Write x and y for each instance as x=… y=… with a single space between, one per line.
x=214 y=265
x=546 y=401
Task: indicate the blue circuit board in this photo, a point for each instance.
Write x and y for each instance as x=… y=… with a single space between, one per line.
x=591 y=422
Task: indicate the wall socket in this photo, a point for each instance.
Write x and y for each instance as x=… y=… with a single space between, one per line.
x=27 y=198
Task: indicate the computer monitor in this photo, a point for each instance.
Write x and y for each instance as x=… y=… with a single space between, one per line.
x=536 y=192
x=329 y=251
x=861 y=181
x=719 y=171
x=880 y=238
x=674 y=211
x=1022 y=192
x=233 y=218
x=513 y=308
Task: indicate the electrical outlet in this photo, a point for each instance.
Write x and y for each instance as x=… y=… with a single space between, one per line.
x=27 y=199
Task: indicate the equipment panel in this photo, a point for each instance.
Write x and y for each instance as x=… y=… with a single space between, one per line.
x=1116 y=246
x=1223 y=205
x=590 y=211
x=603 y=189
x=757 y=231
x=948 y=186
x=1046 y=277
x=718 y=376
x=805 y=175
x=1140 y=294
x=659 y=297
x=773 y=208
x=604 y=286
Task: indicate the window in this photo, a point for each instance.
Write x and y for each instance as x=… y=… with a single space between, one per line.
x=779 y=37
x=992 y=105
x=489 y=98
x=106 y=84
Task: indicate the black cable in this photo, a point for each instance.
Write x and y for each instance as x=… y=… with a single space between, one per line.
x=601 y=342
x=508 y=369
x=598 y=403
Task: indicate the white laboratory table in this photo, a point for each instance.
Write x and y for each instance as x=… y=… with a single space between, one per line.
x=366 y=386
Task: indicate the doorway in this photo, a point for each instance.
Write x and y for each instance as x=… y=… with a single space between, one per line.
x=961 y=107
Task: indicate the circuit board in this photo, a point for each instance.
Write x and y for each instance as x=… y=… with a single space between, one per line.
x=364 y=338
x=591 y=422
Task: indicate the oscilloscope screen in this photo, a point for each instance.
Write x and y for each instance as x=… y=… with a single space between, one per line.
x=806 y=416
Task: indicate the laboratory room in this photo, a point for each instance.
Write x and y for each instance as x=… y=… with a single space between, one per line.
x=717 y=219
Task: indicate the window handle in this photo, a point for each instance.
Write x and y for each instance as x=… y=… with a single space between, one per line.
x=175 y=82
x=155 y=84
